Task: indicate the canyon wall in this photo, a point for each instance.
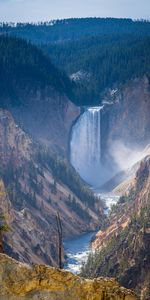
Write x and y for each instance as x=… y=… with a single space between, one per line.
x=46 y=115
x=126 y=118
x=123 y=245
x=34 y=186
x=111 y=138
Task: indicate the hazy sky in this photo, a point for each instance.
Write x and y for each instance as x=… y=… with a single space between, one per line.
x=43 y=10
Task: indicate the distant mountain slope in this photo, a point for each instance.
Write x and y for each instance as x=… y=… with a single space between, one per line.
x=34 y=186
x=123 y=246
x=22 y=63
x=73 y=29
x=99 y=63
x=99 y=53
x=36 y=92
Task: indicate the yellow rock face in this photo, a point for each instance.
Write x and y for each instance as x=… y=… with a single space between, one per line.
x=39 y=282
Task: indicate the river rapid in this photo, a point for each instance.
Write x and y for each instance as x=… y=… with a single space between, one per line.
x=77 y=249
x=86 y=158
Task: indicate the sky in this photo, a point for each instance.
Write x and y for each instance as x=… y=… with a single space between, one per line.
x=45 y=10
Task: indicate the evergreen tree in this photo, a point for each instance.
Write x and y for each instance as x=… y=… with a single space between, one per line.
x=3 y=229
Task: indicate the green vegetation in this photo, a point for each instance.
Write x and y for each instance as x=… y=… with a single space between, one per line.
x=103 y=62
x=97 y=260
x=142 y=175
x=110 y=261
x=3 y=229
x=74 y=29
x=32 y=173
x=82 y=213
x=106 y=52
x=64 y=172
x=24 y=67
x=125 y=254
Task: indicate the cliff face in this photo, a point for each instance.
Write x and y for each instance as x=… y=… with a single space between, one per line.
x=36 y=93
x=126 y=118
x=47 y=116
x=124 y=245
x=33 y=188
x=19 y=281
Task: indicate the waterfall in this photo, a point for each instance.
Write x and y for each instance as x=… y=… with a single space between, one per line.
x=85 y=145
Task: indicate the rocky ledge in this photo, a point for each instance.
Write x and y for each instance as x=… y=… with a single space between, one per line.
x=20 y=281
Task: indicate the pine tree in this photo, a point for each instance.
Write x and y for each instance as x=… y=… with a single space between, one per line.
x=3 y=228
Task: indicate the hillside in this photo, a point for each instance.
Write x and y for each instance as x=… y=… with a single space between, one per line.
x=96 y=53
x=100 y=63
x=21 y=62
x=74 y=29
x=36 y=93
x=34 y=186
x=123 y=246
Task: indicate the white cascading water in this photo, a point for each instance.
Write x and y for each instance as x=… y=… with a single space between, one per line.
x=85 y=146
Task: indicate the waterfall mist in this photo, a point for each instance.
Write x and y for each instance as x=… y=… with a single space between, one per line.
x=85 y=151
x=127 y=156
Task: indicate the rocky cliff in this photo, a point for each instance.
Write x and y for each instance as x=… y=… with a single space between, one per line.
x=37 y=93
x=48 y=117
x=20 y=281
x=123 y=246
x=125 y=120
x=34 y=186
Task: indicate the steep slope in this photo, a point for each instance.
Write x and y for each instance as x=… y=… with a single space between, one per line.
x=125 y=125
x=127 y=118
x=96 y=53
x=36 y=93
x=99 y=63
x=42 y=282
x=123 y=181
x=34 y=186
x=123 y=247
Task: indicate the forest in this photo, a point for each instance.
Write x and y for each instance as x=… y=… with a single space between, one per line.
x=58 y=31
x=23 y=64
x=81 y=58
x=99 y=63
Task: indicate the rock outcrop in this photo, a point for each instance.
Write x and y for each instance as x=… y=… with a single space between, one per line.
x=48 y=117
x=126 y=118
x=19 y=281
x=125 y=124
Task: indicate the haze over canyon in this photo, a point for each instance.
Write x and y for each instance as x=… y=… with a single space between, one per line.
x=75 y=159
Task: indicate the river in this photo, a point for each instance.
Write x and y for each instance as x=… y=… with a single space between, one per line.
x=77 y=249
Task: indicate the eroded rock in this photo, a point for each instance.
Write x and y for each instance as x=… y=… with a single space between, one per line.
x=21 y=281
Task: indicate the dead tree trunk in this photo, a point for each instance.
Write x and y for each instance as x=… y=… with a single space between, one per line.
x=59 y=229
x=1 y=242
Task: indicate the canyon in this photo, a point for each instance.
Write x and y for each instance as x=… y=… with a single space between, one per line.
x=57 y=157
x=123 y=246
x=32 y=191
x=108 y=120
x=107 y=139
